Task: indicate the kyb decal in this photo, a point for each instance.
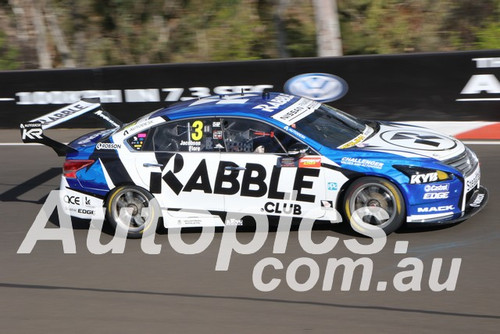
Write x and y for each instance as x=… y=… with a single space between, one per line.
x=424 y=178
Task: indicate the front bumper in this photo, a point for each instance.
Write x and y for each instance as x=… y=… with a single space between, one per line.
x=474 y=204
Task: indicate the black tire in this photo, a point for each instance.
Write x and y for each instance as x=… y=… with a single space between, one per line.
x=140 y=212
x=376 y=192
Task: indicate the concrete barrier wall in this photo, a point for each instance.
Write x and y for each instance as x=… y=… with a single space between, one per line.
x=455 y=86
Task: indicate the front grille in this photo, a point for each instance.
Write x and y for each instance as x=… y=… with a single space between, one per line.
x=465 y=163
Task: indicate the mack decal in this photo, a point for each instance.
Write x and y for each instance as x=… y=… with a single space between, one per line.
x=436 y=209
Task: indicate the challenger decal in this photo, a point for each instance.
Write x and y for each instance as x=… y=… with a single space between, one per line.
x=362 y=162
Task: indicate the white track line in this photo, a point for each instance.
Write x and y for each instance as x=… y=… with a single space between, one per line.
x=468 y=142
x=481 y=142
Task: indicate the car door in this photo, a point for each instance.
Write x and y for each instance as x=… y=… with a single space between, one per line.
x=260 y=177
x=178 y=164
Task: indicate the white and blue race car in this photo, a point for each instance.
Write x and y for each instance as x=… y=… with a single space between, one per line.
x=209 y=160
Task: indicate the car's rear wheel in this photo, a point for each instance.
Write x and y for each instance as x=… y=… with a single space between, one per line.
x=374 y=192
x=131 y=208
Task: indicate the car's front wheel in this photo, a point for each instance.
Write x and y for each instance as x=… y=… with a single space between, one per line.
x=374 y=192
x=131 y=208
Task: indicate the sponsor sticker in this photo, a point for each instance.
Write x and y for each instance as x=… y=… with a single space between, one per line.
x=296 y=111
x=108 y=146
x=353 y=142
x=294 y=132
x=477 y=201
x=362 y=162
x=68 y=112
x=31 y=132
x=424 y=178
x=137 y=141
x=473 y=180
x=431 y=209
x=437 y=187
x=217 y=134
x=436 y=195
x=275 y=103
x=310 y=162
x=287 y=162
x=332 y=186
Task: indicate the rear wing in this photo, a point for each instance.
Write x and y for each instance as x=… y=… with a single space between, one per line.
x=33 y=131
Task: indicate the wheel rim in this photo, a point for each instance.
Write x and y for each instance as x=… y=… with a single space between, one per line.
x=374 y=195
x=131 y=210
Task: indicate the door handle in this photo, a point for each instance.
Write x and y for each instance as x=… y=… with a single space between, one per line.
x=234 y=168
x=149 y=164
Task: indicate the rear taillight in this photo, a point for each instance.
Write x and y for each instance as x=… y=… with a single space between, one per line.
x=72 y=166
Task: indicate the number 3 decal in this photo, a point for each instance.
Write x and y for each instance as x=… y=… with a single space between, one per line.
x=197 y=134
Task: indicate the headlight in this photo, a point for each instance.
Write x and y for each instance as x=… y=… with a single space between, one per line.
x=419 y=175
x=471 y=156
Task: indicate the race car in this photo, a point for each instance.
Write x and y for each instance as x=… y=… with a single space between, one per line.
x=214 y=161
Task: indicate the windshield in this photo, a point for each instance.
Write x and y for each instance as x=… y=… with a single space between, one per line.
x=333 y=128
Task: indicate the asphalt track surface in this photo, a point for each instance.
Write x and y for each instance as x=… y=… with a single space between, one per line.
x=48 y=291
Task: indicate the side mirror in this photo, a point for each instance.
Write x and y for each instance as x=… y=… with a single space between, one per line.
x=298 y=149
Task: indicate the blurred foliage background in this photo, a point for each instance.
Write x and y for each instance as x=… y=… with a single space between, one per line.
x=91 y=33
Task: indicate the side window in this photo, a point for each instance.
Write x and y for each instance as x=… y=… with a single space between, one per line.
x=243 y=135
x=191 y=135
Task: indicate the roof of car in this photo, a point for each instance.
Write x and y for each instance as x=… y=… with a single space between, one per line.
x=258 y=105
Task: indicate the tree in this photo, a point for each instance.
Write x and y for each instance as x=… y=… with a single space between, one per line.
x=327 y=28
